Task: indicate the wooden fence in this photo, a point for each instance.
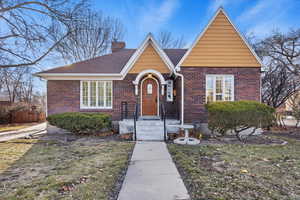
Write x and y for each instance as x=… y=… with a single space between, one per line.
x=27 y=116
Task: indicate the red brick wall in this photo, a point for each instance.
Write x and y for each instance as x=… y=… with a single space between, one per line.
x=246 y=81
x=64 y=96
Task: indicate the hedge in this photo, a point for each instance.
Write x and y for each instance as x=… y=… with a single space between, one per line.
x=81 y=123
x=238 y=116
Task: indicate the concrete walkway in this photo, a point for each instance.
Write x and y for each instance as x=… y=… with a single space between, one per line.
x=152 y=175
x=32 y=130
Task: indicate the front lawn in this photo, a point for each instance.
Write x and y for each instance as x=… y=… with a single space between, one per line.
x=234 y=171
x=87 y=168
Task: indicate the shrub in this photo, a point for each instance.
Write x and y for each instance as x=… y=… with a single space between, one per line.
x=239 y=116
x=81 y=123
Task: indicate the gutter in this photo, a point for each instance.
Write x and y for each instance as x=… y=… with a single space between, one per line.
x=182 y=95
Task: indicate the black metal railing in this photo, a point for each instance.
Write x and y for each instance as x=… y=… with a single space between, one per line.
x=135 y=118
x=163 y=118
x=124 y=110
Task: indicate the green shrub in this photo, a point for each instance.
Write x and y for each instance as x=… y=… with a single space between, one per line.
x=81 y=123
x=238 y=116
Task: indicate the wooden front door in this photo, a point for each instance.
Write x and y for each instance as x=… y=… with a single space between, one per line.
x=149 y=97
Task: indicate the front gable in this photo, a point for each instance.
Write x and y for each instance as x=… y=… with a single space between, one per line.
x=149 y=56
x=220 y=45
x=149 y=59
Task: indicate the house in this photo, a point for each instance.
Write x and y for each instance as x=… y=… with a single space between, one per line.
x=218 y=66
x=4 y=98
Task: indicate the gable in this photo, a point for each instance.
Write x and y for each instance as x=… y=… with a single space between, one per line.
x=220 y=46
x=149 y=59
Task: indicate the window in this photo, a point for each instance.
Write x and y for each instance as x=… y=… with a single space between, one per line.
x=149 y=88
x=219 y=88
x=96 y=94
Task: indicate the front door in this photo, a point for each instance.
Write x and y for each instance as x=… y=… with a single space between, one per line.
x=149 y=96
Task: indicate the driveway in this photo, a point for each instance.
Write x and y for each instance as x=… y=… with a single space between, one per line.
x=32 y=130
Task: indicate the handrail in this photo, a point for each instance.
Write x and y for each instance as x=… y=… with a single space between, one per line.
x=163 y=118
x=135 y=117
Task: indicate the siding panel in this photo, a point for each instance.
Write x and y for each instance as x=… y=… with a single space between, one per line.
x=149 y=59
x=220 y=46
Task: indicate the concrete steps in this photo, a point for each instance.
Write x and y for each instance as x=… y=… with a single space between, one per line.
x=150 y=130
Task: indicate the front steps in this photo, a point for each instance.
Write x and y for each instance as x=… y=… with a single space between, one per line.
x=148 y=129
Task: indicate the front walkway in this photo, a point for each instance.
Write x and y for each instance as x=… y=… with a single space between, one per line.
x=32 y=130
x=152 y=175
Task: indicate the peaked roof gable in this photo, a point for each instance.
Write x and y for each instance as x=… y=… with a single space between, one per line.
x=220 y=45
x=137 y=54
x=149 y=58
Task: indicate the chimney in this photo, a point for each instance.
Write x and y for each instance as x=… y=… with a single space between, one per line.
x=116 y=46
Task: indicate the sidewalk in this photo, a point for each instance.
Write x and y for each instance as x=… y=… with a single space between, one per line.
x=152 y=175
x=36 y=129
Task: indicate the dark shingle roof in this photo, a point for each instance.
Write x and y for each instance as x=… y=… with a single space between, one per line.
x=110 y=63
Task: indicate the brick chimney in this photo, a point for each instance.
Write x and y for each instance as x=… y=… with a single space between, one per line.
x=116 y=46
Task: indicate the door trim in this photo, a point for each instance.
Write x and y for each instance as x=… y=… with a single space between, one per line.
x=141 y=89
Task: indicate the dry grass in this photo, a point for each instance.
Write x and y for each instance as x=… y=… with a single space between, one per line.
x=232 y=171
x=83 y=169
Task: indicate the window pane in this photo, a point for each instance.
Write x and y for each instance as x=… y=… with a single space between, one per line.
x=219 y=86
x=93 y=93
x=219 y=97
x=84 y=93
x=101 y=88
x=228 y=89
x=209 y=88
x=108 y=94
x=209 y=95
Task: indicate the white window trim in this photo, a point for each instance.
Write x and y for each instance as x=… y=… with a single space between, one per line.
x=97 y=95
x=214 y=85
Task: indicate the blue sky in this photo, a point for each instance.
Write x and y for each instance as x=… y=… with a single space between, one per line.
x=188 y=17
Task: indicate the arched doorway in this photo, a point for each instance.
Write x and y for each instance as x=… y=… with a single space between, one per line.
x=149 y=96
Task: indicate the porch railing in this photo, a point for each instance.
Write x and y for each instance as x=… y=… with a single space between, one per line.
x=135 y=118
x=163 y=118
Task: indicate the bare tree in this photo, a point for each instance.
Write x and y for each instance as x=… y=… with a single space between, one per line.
x=18 y=83
x=281 y=56
x=167 y=41
x=283 y=49
x=92 y=36
x=26 y=28
x=278 y=84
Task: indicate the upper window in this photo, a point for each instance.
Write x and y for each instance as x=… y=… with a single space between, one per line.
x=96 y=94
x=219 y=88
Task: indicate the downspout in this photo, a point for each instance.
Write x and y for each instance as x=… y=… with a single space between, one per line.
x=182 y=95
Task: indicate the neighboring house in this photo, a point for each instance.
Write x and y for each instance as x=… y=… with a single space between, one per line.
x=219 y=66
x=4 y=99
x=288 y=105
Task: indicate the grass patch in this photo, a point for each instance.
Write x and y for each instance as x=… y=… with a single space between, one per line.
x=83 y=169
x=235 y=171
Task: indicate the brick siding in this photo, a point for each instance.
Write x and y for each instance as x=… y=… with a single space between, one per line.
x=246 y=87
x=64 y=96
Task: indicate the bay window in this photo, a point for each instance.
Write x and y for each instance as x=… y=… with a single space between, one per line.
x=219 y=88
x=96 y=94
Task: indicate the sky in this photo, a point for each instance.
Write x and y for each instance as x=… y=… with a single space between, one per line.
x=189 y=17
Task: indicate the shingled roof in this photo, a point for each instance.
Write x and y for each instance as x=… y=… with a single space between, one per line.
x=110 y=63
